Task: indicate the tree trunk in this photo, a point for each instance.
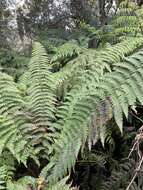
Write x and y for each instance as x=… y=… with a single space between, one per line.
x=102 y=12
x=139 y=2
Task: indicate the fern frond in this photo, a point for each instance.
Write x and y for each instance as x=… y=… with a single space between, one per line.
x=96 y=61
x=10 y=97
x=90 y=97
x=122 y=20
x=6 y=174
x=66 y=51
x=12 y=139
x=61 y=185
x=40 y=106
x=28 y=182
x=41 y=87
x=120 y=178
x=23 y=183
x=10 y=103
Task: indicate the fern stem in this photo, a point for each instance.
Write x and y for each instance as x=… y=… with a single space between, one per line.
x=136 y=117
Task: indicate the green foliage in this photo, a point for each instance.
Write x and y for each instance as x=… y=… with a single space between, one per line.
x=22 y=184
x=68 y=99
x=12 y=63
x=66 y=52
x=61 y=185
x=119 y=178
x=41 y=98
x=29 y=182
x=126 y=22
x=95 y=100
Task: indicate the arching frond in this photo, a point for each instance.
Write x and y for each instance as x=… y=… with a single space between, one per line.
x=120 y=179
x=109 y=96
x=66 y=52
x=40 y=99
x=11 y=102
x=5 y=175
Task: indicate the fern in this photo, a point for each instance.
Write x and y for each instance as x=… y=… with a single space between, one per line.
x=5 y=175
x=25 y=116
x=30 y=182
x=87 y=107
x=94 y=60
x=22 y=184
x=126 y=22
x=66 y=52
x=117 y=90
x=41 y=85
x=7 y=168
x=40 y=98
x=50 y=115
x=119 y=178
x=61 y=185
x=10 y=103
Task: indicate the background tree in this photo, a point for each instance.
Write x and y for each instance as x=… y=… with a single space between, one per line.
x=4 y=15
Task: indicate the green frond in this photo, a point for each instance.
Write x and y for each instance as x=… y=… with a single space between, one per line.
x=119 y=179
x=66 y=51
x=106 y=97
x=28 y=182
x=7 y=159
x=24 y=79
x=128 y=4
x=40 y=99
x=94 y=158
x=61 y=185
x=12 y=139
x=73 y=135
x=10 y=97
x=10 y=103
x=96 y=61
x=124 y=20
x=6 y=174
x=51 y=114
x=41 y=87
x=22 y=184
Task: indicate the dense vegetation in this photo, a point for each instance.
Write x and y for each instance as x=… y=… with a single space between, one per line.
x=71 y=111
